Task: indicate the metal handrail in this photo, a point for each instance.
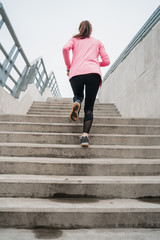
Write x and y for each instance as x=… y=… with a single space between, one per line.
x=151 y=22
x=32 y=72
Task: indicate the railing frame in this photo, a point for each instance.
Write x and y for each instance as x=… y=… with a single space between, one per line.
x=31 y=72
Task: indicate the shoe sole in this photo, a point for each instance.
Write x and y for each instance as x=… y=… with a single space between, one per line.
x=74 y=114
x=85 y=144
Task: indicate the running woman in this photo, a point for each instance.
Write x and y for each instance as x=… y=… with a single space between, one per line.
x=84 y=73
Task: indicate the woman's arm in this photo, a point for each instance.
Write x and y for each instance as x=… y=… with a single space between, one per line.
x=68 y=46
x=104 y=56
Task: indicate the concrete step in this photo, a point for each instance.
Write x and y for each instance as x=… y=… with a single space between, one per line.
x=73 y=138
x=59 y=100
x=65 y=119
x=68 y=113
x=65 y=112
x=36 y=161
x=71 y=102
x=74 y=151
x=80 y=234
x=69 y=105
x=79 y=213
x=64 y=100
x=43 y=186
x=68 y=110
x=77 y=128
x=80 y=167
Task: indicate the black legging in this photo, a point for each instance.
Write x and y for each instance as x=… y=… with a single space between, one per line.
x=91 y=82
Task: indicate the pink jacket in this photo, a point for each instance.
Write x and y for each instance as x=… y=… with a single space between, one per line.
x=85 y=56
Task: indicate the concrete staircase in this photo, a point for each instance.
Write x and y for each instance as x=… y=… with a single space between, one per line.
x=48 y=180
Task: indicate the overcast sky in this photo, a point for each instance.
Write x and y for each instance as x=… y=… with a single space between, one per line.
x=44 y=26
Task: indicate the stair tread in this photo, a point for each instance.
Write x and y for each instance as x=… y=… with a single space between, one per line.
x=78 y=134
x=48 y=117
x=32 y=186
x=77 y=124
x=21 y=178
x=78 y=205
x=84 y=161
x=79 y=234
x=77 y=146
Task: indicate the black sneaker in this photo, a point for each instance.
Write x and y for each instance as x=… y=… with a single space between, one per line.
x=84 y=141
x=74 y=115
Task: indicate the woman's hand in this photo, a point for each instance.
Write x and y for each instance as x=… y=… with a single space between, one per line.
x=68 y=73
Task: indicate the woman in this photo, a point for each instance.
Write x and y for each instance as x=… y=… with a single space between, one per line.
x=84 y=72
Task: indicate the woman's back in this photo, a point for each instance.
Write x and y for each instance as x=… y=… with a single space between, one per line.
x=85 y=56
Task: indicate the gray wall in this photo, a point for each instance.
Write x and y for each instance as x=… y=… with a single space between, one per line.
x=11 y=105
x=134 y=86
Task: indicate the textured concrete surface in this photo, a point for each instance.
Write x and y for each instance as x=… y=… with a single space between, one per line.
x=80 y=167
x=82 y=234
x=72 y=151
x=36 y=150
x=65 y=119
x=17 y=185
x=10 y=105
x=45 y=105
x=77 y=128
x=96 y=114
x=134 y=86
x=98 y=107
x=79 y=212
x=73 y=138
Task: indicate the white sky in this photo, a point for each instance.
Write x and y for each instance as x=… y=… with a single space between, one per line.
x=44 y=26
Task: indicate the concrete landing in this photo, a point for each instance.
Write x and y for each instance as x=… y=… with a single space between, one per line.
x=81 y=234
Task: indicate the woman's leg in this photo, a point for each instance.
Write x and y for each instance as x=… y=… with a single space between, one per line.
x=77 y=85
x=92 y=84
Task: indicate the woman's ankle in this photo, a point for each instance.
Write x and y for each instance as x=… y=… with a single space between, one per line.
x=84 y=134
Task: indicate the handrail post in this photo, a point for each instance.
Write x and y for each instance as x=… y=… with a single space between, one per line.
x=31 y=72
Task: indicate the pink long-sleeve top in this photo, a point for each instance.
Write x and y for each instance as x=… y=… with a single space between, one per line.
x=85 y=56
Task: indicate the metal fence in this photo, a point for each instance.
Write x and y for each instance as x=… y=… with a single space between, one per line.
x=16 y=79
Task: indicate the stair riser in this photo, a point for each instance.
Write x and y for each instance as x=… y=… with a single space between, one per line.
x=64 y=112
x=68 y=110
x=68 y=113
x=79 y=234
x=69 y=106
x=80 y=169
x=50 y=190
x=80 y=219
x=71 y=139
x=67 y=152
x=65 y=100
x=76 y=128
x=63 y=119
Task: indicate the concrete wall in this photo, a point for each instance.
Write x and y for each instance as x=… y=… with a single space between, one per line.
x=134 y=86
x=11 y=105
